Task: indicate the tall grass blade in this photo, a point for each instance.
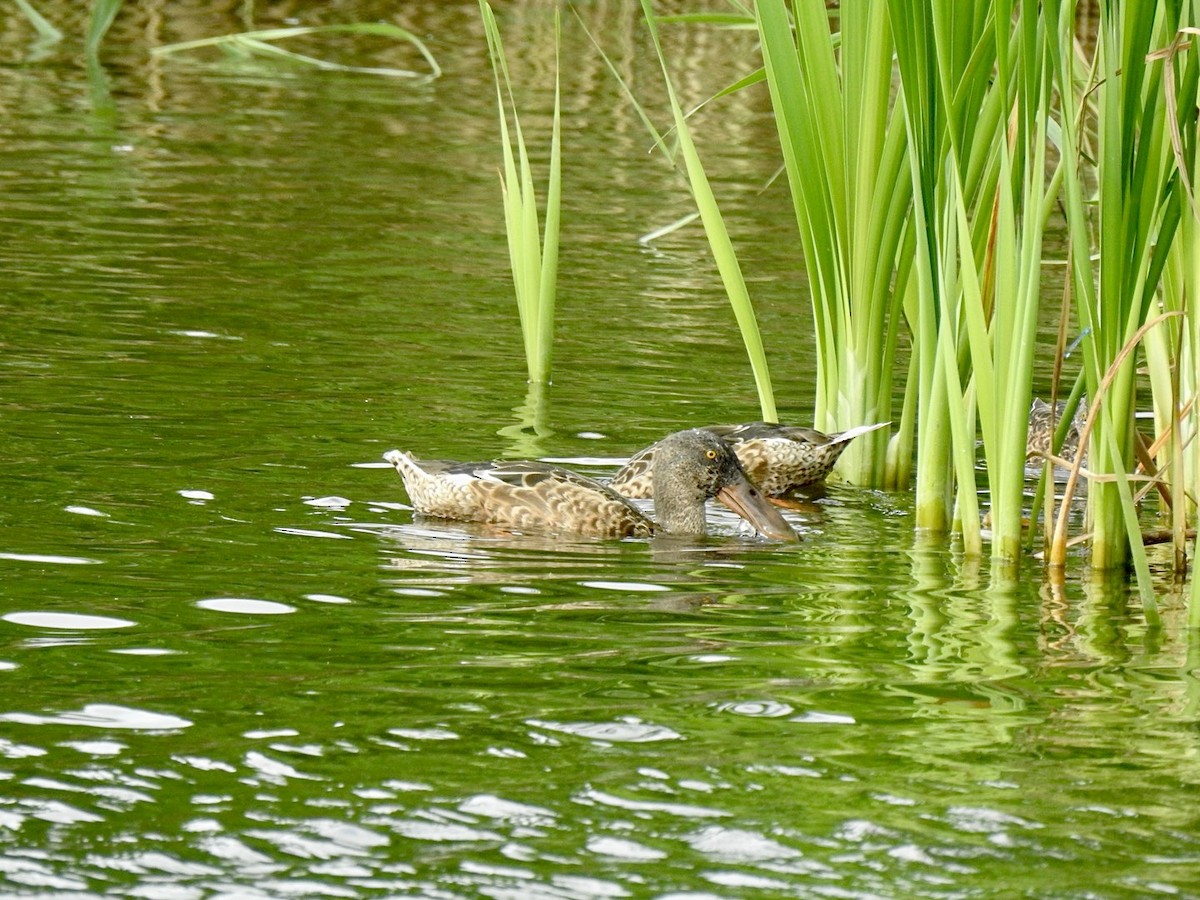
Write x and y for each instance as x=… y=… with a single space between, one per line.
x=45 y=30
x=1171 y=351
x=925 y=109
x=534 y=258
x=1136 y=214
x=845 y=159
x=103 y=14
x=1009 y=305
x=718 y=236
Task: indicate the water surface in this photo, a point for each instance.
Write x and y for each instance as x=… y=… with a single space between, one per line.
x=235 y=665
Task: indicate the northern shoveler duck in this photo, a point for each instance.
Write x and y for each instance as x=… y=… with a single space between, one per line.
x=1044 y=419
x=778 y=458
x=689 y=468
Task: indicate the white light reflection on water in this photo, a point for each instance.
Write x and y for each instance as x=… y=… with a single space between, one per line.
x=50 y=559
x=622 y=848
x=104 y=715
x=245 y=606
x=66 y=621
x=629 y=730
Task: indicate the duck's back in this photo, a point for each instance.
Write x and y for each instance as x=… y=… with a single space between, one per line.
x=521 y=495
x=777 y=458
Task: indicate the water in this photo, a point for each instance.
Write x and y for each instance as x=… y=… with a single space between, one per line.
x=234 y=665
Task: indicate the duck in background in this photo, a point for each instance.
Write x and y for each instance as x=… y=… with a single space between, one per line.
x=1043 y=420
x=778 y=458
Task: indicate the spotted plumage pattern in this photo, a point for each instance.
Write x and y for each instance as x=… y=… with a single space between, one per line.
x=778 y=458
x=521 y=495
x=1044 y=419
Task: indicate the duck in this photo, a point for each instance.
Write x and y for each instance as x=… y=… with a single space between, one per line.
x=1043 y=420
x=689 y=468
x=778 y=458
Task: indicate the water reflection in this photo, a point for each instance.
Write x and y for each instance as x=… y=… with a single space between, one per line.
x=526 y=439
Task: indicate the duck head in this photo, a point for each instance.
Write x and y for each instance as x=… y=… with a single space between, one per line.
x=691 y=467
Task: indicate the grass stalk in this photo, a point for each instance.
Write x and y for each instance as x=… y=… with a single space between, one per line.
x=945 y=54
x=101 y=19
x=1135 y=214
x=1174 y=387
x=45 y=30
x=1002 y=358
x=262 y=43
x=718 y=235
x=846 y=161
x=533 y=252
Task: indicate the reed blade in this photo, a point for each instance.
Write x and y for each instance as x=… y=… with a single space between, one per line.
x=718 y=236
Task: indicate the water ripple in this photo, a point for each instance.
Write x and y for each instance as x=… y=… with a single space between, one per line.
x=50 y=559
x=104 y=715
x=245 y=606
x=312 y=532
x=620 y=848
x=630 y=730
x=421 y=830
x=685 y=810
x=766 y=709
x=85 y=511
x=272 y=771
x=424 y=734
x=66 y=621
x=738 y=845
x=492 y=807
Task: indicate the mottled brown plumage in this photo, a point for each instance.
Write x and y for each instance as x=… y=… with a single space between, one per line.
x=778 y=458
x=692 y=467
x=1044 y=419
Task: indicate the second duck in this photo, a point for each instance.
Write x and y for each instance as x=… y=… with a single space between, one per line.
x=778 y=458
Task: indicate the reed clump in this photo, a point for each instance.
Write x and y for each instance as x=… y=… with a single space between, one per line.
x=926 y=148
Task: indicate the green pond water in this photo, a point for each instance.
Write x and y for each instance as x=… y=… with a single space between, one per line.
x=233 y=665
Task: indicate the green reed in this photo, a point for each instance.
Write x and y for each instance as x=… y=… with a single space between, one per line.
x=991 y=104
x=45 y=30
x=100 y=20
x=1001 y=200
x=718 y=236
x=845 y=157
x=1175 y=388
x=1134 y=209
x=533 y=253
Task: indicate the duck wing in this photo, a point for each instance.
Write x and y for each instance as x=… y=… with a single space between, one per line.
x=634 y=478
x=781 y=458
x=527 y=496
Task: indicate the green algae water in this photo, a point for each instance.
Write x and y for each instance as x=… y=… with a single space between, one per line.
x=234 y=665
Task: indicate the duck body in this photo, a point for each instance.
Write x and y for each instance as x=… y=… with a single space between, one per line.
x=1043 y=421
x=518 y=494
x=778 y=458
x=693 y=467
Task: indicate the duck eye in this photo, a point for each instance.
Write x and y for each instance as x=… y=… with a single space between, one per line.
x=711 y=454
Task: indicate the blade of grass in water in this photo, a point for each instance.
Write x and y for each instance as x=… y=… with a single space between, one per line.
x=1134 y=212
x=262 y=43
x=845 y=160
x=47 y=31
x=533 y=253
x=718 y=237
x=103 y=13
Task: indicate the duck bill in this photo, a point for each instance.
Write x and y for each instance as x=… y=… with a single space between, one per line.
x=748 y=502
